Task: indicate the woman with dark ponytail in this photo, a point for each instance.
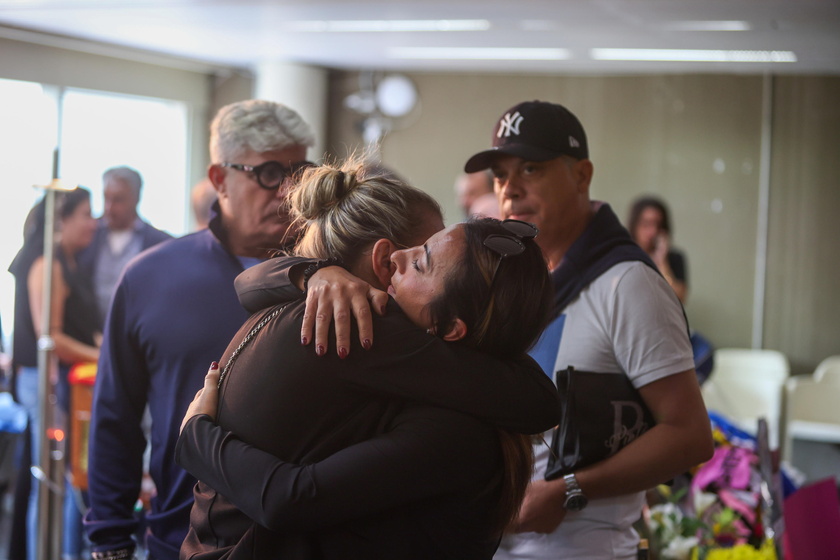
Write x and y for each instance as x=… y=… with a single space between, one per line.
x=73 y=329
x=412 y=449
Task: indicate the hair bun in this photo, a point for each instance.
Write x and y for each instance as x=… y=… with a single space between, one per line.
x=320 y=190
x=342 y=209
x=348 y=181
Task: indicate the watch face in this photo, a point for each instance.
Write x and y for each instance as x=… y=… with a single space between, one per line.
x=576 y=502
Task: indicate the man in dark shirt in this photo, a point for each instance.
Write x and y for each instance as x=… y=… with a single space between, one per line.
x=173 y=312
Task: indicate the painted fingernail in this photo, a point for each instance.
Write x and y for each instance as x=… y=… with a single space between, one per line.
x=342 y=352
x=320 y=350
x=214 y=365
x=366 y=344
x=304 y=341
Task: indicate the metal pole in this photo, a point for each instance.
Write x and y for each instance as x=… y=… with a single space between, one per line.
x=49 y=472
x=46 y=396
x=760 y=281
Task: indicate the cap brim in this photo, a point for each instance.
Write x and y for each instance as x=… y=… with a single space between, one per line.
x=485 y=159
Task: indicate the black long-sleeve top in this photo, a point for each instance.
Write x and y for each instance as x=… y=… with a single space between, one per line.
x=426 y=488
x=441 y=467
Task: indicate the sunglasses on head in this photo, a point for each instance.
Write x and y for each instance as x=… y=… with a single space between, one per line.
x=271 y=174
x=509 y=245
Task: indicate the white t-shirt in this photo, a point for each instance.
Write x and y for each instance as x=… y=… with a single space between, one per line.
x=627 y=320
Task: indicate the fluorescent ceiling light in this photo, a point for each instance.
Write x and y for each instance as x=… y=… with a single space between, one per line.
x=388 y=25
x=689 y=55
x=446 y=53
x=730 y=25
x=537 y=25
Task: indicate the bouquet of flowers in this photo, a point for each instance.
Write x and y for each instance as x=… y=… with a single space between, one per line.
x=717 y=513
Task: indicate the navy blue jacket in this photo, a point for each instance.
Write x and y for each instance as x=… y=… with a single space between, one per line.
x=174 y=311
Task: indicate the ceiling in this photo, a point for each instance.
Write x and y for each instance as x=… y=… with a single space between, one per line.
x=531 y=36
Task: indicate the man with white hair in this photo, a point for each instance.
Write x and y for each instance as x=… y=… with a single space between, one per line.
x=120 y=236
x=174 y=311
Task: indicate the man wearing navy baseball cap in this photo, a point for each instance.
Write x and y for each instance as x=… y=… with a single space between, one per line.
x=614 y=314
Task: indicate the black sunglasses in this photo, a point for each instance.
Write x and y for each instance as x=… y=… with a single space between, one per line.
x=509 y=245
x=271 y=174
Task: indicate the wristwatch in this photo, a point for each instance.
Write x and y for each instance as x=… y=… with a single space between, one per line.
x=575 y=498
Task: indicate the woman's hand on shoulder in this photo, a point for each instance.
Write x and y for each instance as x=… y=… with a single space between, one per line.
x=334 y=294
x=206 y=400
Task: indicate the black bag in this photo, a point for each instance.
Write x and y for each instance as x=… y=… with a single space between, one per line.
x=603 y=412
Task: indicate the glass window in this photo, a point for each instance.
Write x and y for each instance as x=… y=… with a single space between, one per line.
x=94 y=130
x=101 y=130
x=28 y=134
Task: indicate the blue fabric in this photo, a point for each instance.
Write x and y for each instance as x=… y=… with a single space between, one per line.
x=26 y=389
x=704 y=356
x=730 y=431
x=248 y=262
x=544 y=351
x=73 y=542
x=174 y=311
x=73 y=535
x=12 y=415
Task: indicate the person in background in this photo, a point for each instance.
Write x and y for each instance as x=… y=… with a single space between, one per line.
x=486 y=205
x=469 y=187
x=614 y=313
x=120 y=236
x=19 y=484
x=24 y=357
x=74 y=328
x=174 y=311
x=202 y=197
x=649 y=224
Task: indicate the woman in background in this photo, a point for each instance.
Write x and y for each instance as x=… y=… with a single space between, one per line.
x=650 y=226
x=73 y=329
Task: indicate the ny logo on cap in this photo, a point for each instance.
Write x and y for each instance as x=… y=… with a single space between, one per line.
x=509 y=125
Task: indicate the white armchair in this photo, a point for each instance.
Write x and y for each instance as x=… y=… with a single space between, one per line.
x=813 y=405
x=746 y=385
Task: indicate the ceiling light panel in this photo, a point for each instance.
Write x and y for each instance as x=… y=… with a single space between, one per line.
x=388 y=25
x=729 y=25
x=692 y=55
x=446 y=53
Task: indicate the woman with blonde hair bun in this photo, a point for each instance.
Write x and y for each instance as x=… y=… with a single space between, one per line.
x=408 y=450
x=341 y=210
